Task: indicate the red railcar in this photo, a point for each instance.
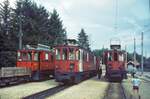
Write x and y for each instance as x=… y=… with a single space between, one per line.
x=114 y=60
x=73 y=63
x=40 y=62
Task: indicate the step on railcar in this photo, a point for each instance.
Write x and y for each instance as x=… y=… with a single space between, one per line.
x=73 y=63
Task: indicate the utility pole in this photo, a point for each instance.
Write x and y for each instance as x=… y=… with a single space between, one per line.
x=149 y=6
x=20 y=29
x=134 y=55
x=116 y=17
x=126 y=56
x=142 y=52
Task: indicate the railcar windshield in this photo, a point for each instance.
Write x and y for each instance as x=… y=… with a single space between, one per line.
x=36 y=56
x=71 y=54
x=24 y=56
x=58 y=55
x=121 y=57
x=110 y=58
x=64 y=54
x=115 y=56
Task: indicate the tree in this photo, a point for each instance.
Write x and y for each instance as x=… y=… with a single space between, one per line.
x=7 y=43
x=99 y=52
x=35 y=22
x=83 y=40
x=56 y=30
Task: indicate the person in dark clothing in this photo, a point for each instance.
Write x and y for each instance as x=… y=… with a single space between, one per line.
x=99 y=72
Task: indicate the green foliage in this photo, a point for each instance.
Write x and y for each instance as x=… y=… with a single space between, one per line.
x=34 y=21
x=7 y=38
x=56 y=30
x=99 y=52
x=37 y=25
x=83 y=40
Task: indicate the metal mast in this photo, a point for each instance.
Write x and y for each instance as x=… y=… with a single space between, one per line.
x=20 y=28
x=134 y=55
x=116 y=16
x=142 y=52
x=126 y=56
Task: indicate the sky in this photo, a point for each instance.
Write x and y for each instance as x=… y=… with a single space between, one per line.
x=98 y=18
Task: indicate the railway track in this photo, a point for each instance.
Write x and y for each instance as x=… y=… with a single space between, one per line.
x=46 y=93
x=115 y=91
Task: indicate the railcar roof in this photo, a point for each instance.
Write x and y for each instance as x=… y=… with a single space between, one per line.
x=30 y=50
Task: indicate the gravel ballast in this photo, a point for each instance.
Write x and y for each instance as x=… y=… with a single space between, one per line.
x=19 y=91
x=89 y=89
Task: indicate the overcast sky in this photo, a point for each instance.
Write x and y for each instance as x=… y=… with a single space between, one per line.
x=97 y=17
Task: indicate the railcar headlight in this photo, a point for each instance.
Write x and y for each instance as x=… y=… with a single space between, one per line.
x=110 y=66
x=56 y=66
x=71 y=66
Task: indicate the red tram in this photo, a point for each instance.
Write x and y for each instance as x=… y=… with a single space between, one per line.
x=114 y=60
x=39 y=61
x=73 y=63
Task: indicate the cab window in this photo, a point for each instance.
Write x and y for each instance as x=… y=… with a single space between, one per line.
x=115 y=56
x=58 y=54
x=110 y=56
x=36 y=56
x=19 y=56
x=64 y=54
x=121 y=58
x=29 y=56
x=77 y=55
x=71 y=54
x=46 y=56
x=24 y=57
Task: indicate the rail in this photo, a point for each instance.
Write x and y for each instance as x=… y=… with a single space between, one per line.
x=46 y=93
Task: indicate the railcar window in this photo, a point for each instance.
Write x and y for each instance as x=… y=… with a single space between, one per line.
x=94 y=60
x=36 y=56
x=71 y=54
x=110 y=56
x=24 y=56
x=58 y=54
x=64 y=55
x=77 y=55
x=121 y=58
x=19 y=56
x=46 y=56
x=29 y=56
x=115 y=56
x=84 y=56
x=52 y=58
x=87 y=59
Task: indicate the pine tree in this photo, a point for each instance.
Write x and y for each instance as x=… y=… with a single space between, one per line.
x=35 y=22
x=83 y=40
x=56 y=30
x=7 y=43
